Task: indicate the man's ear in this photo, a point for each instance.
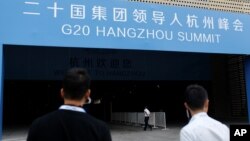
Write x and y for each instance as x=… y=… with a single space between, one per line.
x=206 y=105
x=186 y=105
x=87 y=94
x=62 y=93
x=87 y=97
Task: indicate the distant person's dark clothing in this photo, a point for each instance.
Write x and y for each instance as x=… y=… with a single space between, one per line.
x=146 y=123
x=68 y=125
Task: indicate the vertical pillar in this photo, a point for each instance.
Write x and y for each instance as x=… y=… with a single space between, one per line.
x=1 y=90
x=247 y=78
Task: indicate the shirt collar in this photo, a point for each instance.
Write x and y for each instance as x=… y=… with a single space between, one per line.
x=72 y=108
x=198 y=115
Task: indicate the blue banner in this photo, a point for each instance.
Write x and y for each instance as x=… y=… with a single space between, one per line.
x=1 y=89
x=122 y=25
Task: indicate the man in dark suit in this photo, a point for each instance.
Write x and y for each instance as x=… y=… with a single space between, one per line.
x=71 y=122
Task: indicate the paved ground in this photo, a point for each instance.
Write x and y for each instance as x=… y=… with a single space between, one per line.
x=130 y=133
x=118 y=132
x=15 y=134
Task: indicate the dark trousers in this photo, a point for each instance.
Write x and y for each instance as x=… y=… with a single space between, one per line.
x=146 y=123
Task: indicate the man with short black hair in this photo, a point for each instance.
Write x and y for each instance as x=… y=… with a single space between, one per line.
x=201 y=127
x=71 y=122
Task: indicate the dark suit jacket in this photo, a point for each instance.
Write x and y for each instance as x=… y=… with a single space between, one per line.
x=66 y=125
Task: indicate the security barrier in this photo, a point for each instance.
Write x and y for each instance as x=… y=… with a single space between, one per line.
x=156 y=119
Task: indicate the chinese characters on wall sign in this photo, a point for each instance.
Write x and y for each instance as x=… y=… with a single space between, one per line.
x=159 y=19
x=99 y=13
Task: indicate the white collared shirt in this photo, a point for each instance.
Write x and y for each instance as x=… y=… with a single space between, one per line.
x=72 y=108
x=146 y=112
x=201 y=127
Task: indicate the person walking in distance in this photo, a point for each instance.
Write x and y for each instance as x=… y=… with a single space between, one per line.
x=201 y=127
x=71 y=122
x=146 y=118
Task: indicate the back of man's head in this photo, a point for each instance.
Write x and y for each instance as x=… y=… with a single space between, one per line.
x=76 y=83
x=196 y=96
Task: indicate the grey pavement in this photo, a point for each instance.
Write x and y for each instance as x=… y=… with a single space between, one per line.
x=15 y=134
x=132 y=133
x=118 y=133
